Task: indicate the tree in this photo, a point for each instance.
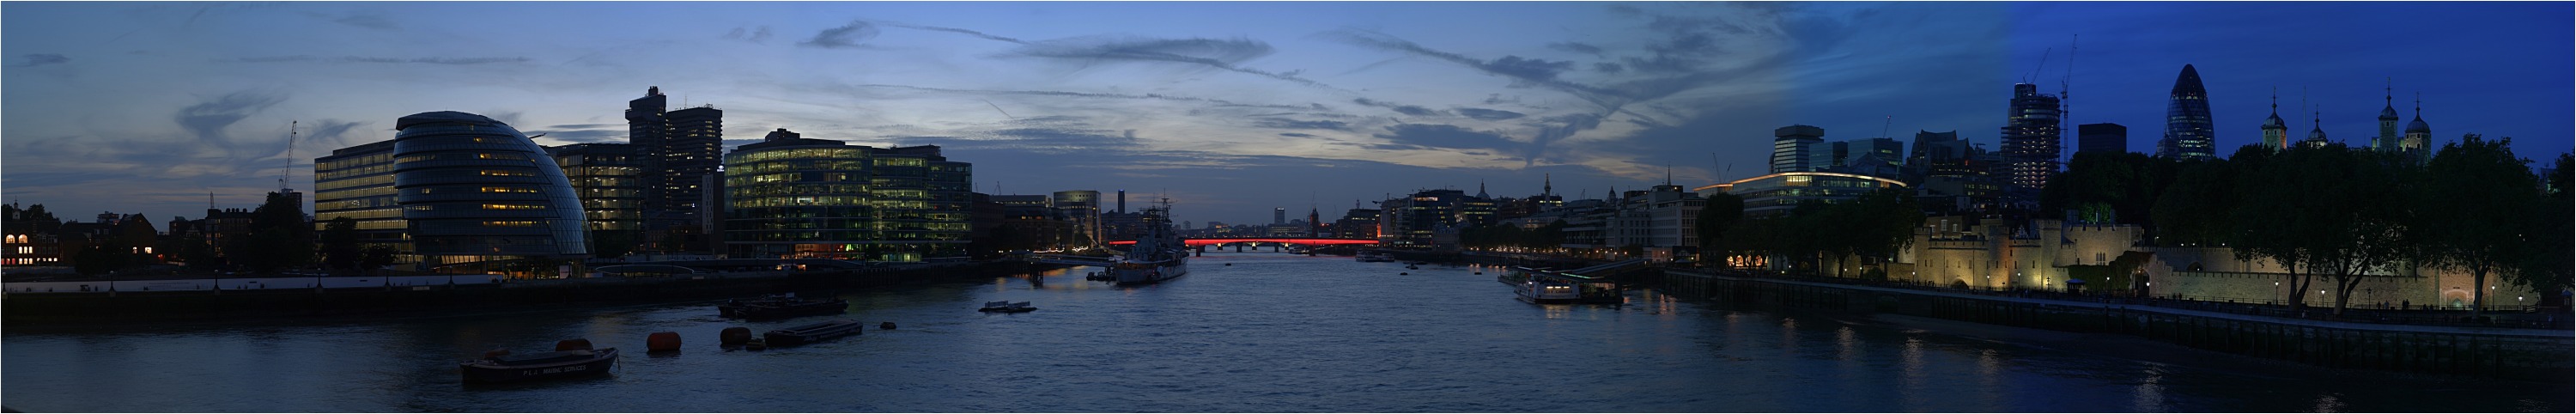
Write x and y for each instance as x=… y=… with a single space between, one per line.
x=2335 y=210
x=2486 y=199
x=1719 y=214
x=377 y=256
x=2546 y=269
x=340 y=249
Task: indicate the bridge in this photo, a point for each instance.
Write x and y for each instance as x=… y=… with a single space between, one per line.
x=1281 y=240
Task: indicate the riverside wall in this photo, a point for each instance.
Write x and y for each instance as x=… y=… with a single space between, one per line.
x=2508 y=353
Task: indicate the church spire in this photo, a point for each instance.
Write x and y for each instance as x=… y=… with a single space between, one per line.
x=1547 y=184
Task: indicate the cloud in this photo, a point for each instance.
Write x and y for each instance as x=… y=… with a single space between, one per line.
x=207 y=120
x=846 y=36
x=583 y=136
x=1576 y=47
x=41 y=59
x=755 y=35
x=1399 y=108
x=368 y=59
x=1224 y=54
x=957 y=30
x=1297 y=124
x=1150 y=96
x=332 y=132
x=1298 y=135
x=1607 y=67
x=1424 y=136
x=1519 y=67
x=1487 y=114
x=368 y=21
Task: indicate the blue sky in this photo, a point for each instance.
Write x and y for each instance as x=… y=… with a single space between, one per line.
x=1229 y=108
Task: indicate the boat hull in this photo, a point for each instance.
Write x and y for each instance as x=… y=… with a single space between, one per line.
x=487 y=371
x=1151 y=273
x=809 y=333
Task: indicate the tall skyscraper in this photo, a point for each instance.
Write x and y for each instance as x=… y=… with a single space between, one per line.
x=2103 y=137
x=2276 y=134
x=2187 y=126
x=683 y=149
x=1793 y=148
x=2032 y=142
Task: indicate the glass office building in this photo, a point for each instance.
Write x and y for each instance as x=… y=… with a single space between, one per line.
x=793 y=197
x=479 y=196
x=2188 y=130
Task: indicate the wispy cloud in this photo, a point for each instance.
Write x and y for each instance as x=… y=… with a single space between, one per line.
x=851 y=35
x=41 y=59
x=1223 y=54
x=207 y=120
x=370 y=59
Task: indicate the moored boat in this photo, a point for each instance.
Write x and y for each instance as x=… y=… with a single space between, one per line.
x=1158 y=256
x=810 y=333
x=1542 y=286
x=1007 y=307
x=781 y=306
x=502 y=367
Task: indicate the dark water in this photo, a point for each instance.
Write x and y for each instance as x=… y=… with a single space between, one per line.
x=1270 y=333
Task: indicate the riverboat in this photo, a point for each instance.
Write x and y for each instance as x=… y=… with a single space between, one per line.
x=1548 y=287
x=809 y=333
x=503 y=367
x=1007 y=307
x=1158 y=256
x=781 y=306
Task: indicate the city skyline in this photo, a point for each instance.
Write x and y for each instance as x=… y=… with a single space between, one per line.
x=1229 y=108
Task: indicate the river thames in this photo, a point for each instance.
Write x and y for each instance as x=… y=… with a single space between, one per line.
x=1270 y=332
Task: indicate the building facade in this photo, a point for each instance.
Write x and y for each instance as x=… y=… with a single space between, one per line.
x=478 y=196
x=1776 y=194
x=2032 y=141
x=357 y=183
x=1793 y=148
x=2188 y=130
x=609 y=179
x=2103 y=137
x=794 y=197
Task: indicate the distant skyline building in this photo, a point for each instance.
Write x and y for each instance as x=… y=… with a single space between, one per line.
x=478 y=196
x=2388 y=137
x=1793 y=147
x=2103 y=137
x=2419 y=136
x=2032 y=142
x=2188 y=130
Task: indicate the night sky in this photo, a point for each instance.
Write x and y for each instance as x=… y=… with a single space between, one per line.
x=1230 y=109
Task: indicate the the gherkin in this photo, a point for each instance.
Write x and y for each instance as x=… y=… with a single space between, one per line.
x=2187 y=125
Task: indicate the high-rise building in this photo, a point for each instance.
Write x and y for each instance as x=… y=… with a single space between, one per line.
x=1081 y=210
x=1793 y=147
x=478 y=196
x=2032 y=142
x=1930 y=147
x=2276 y=134
x=683 y=151
x=794 y=197
x=2188 y=130
x=357 y=183
x=1278 y=216
x=609 y=178
x=2103 y=137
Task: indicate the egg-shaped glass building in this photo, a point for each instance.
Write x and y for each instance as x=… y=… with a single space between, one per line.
x=479 y=196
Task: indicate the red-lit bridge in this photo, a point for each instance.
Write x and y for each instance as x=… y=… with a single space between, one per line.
x=1288 y=240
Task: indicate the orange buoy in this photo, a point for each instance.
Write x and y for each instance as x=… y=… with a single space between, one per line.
x=662 y=341
x=735 y=335
x=572 y=344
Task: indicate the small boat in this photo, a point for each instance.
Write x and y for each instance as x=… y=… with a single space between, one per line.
x=502 y=367
x=780 y=307
x=1007 y=307
x=810 y=333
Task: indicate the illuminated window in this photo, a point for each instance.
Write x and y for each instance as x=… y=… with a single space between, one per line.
x=512 y=207
x=509 y=173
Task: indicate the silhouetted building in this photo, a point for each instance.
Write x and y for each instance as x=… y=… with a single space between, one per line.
x=2388 y=137
x=2188 y=130
x=479 y=196
x=2102 y=137
x=683 y=149
x=2276 y=134
x=2419 y=136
